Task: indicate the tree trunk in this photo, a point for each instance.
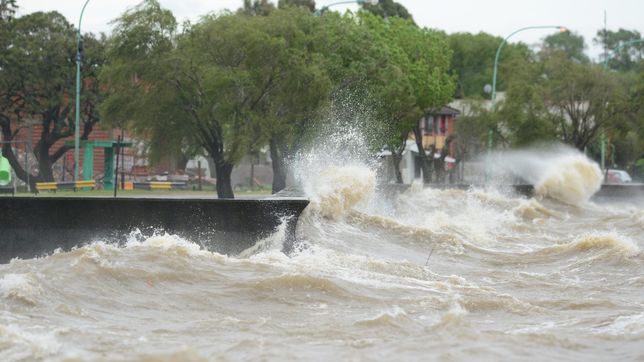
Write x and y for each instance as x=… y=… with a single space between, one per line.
x=45 y=172
x=279 y=168
x=182 y=162
x=422 y=156
x=396 y=159
x=439 y=169
x=7 y=152
x=224 y=185
x=397 y=154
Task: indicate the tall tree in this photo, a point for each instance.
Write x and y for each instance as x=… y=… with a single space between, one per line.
x=301 y=86
x=562 y=98
x=213 y=84
x=473 y=62
x=568 y=42
x=37 y=83
x=418 y=79
x=629 y=54
x=387 y=8
x=257 y=7
x=307 y=4
x=7 y=9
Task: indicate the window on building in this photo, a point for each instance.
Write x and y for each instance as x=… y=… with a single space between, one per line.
x=443 y=125
x=429 y=124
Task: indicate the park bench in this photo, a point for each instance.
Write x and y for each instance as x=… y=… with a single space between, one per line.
x=160 y=185
x=46 y=186
x=70 y=185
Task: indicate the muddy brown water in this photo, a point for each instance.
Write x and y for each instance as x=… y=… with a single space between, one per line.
x=427 y=275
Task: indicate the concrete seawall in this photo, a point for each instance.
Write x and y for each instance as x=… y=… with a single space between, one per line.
x=33 y=226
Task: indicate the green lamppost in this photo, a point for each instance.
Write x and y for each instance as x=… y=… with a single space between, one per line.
x=498 y=52
x=496 y=65
x=613 y=52
x=610 y=55
x=79 y=49
x=359 y=2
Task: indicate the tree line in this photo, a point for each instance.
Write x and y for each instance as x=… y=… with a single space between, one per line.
x=265 y=75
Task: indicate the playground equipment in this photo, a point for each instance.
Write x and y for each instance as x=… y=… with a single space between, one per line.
x=5 y=171
x=6 y=186
x=110 y=148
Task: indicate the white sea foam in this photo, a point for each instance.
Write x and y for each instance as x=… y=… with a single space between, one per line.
x=556 y=171
x=21 y=287
x=168 y=243
x=338 y=189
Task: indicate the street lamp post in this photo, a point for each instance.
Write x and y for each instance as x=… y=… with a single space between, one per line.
x=618 y=48
x=79 y=49
x=359 y=2
x=496 y=65
x=498 y=52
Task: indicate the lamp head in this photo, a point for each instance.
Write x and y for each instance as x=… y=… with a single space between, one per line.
x=563 y=29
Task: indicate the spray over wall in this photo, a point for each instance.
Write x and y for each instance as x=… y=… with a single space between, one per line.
x=556 y=171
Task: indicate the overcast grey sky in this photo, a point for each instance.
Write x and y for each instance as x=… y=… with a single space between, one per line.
x=497 y=17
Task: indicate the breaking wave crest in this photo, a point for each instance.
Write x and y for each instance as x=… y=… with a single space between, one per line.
x=571 y=179
x=301 y=282
x=616 y=245
x=419 y=234
x=533 y=210
x=338 y=189
x=20 y=287
x=556 y=171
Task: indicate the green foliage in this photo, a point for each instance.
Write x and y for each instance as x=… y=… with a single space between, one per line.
x=256 y=8
x=561 y=98
x=473 y=62
x=570 y=43
x=37 y=84
x=139 y=78
x=628 y=131
x=629 y=46
x=585 y=98
x=472 y=128
x=415 y=75
x=213 y=86
x=388 y=8
x=413 y=80
x=308 y=4
x=7 y=9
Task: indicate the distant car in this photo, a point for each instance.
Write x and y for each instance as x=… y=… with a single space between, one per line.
x=617 y=177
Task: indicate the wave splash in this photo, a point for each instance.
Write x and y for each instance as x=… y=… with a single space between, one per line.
x=572 y=179
x=339 y=189
x=557 y=171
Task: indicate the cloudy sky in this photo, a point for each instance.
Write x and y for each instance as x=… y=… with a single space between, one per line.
x=498 y=17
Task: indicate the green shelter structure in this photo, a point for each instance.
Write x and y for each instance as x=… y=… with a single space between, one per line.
x=109 y=147
x=5 y=171
x=7 y=185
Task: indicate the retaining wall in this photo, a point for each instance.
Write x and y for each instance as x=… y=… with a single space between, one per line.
x=34 y=226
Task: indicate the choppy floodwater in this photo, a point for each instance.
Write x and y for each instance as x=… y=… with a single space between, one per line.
x=508 y=278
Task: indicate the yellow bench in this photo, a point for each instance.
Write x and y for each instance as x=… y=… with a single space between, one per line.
x=85 y=183
x=46 y=186
x=55 y=186
x=160 y=185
